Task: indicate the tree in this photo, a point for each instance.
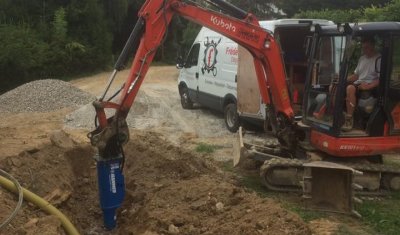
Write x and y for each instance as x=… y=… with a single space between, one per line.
x=87 y=25
x=52 y=38
x=389 y=12
x=22 y=54
x=264 y=10
x=290 y=7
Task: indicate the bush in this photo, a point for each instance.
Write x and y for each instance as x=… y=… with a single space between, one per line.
x=22 y=55
x=337 y=16
x=76 y=40
x=390 y=12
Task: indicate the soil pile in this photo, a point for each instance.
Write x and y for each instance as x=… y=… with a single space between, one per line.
x=43 y=96
x=170 y=190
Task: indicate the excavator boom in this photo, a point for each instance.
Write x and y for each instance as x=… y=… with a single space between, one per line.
x=148 y=34
x=151 y=28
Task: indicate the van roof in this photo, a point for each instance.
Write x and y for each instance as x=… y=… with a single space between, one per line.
x=296 y=21
x=270 y=25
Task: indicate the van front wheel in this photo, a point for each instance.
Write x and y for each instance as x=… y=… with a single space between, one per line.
x=231 y=117
x=185 y=99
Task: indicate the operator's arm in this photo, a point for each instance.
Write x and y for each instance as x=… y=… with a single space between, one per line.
x=369 y=86
x=355 y=76
x=352 y=78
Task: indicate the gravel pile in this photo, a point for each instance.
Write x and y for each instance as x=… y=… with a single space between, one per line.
x=43 y=96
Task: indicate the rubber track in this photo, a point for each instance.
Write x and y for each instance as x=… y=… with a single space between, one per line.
x=280 y=162
x=296 y=163
x=385 y=170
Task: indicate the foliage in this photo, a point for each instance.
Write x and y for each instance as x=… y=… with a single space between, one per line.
x=264 y=10
x=292 y=7
x=389 y=12
x=21 y=52
x=51 y=38
x=188 y=35
x=338 y=16
x=60 y=25
x=59 y=38
x=89 y=27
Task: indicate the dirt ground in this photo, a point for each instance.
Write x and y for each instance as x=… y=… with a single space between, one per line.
x=170 y=189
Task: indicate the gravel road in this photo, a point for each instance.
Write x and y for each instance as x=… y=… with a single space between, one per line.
x=157 y=108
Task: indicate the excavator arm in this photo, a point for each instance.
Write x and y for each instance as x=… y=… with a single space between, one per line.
x=148 y=34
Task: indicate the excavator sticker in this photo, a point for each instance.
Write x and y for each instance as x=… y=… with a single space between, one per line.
x=221 y=23
x=210 y=57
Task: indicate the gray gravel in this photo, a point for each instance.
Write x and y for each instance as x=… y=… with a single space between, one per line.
x=43 y=96
x=140 y=115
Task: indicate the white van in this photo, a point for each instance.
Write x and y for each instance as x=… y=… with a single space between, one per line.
x=220 y=75
x=293 y=35
x=208 y=75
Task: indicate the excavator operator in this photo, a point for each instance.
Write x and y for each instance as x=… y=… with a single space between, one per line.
x=365 y=78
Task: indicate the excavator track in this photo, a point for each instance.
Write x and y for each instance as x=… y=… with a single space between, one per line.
x=294 y=168
x=286 y=175
x=385 y=178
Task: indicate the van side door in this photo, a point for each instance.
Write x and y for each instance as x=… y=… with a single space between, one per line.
x=211 y=88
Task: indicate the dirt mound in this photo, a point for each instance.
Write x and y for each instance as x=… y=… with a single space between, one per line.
x=43 y=96
x=169 y=191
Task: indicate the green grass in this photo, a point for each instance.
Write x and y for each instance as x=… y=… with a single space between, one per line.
x=206 y=148
x=346 y=230
x=228 y=166
x=380 y=216
x=253 y=182
x=383 y=216
x=306 y=215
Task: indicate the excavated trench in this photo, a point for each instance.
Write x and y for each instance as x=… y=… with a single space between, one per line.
x=169 y=190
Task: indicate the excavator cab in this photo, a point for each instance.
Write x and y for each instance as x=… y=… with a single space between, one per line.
x=319 y=137
x=334 y=57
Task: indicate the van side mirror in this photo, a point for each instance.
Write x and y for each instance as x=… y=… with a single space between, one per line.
x=179 y=62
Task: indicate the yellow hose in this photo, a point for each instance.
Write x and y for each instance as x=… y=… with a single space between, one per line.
x=42 y=204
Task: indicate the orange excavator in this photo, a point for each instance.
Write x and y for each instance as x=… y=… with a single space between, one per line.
x=296 y=136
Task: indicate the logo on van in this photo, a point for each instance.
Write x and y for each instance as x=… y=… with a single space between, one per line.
x=210 y=57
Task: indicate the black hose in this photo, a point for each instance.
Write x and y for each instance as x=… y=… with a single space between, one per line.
x=131 y=45
x=230 y=8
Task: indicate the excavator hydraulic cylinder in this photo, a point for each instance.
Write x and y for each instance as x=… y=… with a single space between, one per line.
x=131 y=45
x=111 y=189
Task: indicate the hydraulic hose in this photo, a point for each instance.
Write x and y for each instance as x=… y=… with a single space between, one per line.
x=42 y=204
x=20 y=198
